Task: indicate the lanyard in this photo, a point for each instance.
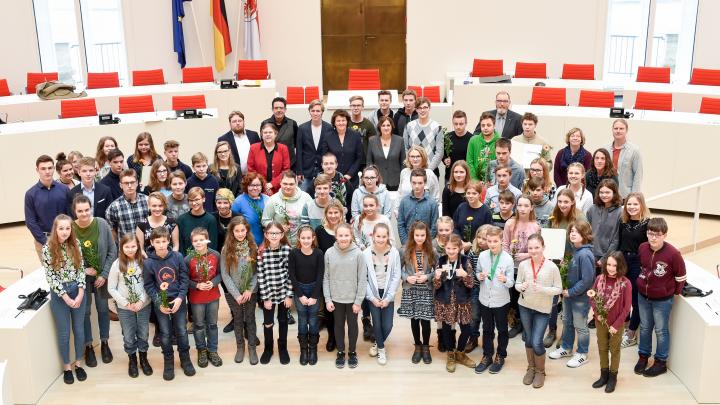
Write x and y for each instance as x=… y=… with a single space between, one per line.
x=494 y=265
x=535 y=273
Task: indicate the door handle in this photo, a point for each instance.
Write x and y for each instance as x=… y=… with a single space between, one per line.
x=369 y=37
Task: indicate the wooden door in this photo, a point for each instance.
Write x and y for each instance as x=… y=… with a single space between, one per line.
x=363 y=34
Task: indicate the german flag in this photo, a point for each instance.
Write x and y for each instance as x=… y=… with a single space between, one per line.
x=221 y=33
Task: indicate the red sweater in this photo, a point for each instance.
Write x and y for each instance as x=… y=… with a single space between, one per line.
x=196 y=296
x=257 y=162
x=621 y=308
x=662 y=273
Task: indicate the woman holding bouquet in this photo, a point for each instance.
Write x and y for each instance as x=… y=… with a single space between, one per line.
x=610 y=298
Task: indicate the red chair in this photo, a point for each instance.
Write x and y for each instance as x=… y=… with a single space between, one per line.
x=33 y=79
x=592 y=98
x=364 y=79
x=4 y=89
x=295 y=95
x=197 y=74
x=417 y=89
x=253 y=70
x=432 y=93
x=312 y=93
x=653 y=74
x=708 y=77
x=487 y=67
x=710 y=105
x=136 y=104
x=147 y=77
x=531 y=70
x=645 y=100
x=578 y=72
x=84 y=107
x=183 y=102
x=103 y=80
x=548 y=96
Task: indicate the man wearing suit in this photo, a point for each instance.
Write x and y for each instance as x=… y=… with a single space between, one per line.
x=310 y=134
x=98 y=193
x=507 y=123
x=239 y=139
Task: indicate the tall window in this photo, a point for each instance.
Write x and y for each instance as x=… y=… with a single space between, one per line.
x=80 y=36
x=649 y=33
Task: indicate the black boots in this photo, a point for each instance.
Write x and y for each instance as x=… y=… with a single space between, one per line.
x=144 y=364
x=417 y=354
x=132 y=365
x=282 y=351
x=441 y=344
x=368 y=334
x=168 y=367
x=186 y=364
x=105 y=352
x=426 y=358
x=603 y=380
x=90 y=359
x=303 y=341
x=312 y=349
x=268 y=346
x=612 y=381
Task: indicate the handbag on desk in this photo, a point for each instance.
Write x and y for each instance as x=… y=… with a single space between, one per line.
x=34 y=300
x=690 y=290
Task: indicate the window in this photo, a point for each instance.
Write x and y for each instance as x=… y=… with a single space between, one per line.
x=628 y=45
x=80 y=36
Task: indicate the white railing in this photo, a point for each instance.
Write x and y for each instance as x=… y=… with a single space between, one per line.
x=696 y=215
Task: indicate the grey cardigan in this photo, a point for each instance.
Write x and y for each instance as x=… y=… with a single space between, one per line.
x=630 y=168
x=392 y=281
x=107 y=253
x=345 y=280
x=233 y=279
x=391 y=165
x=605 y=228
x=409 y=270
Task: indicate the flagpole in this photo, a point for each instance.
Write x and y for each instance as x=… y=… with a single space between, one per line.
x=240 y=21
x=197 y=33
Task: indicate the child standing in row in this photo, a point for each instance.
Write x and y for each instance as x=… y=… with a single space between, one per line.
x=479 y=245
x=453 y=284
x=445 y=226
x=417 y=295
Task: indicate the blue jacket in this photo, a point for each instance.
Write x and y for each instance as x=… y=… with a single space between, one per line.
x=308 y=157
x=242 y=206
x=412 y=209
x=581 y=272
x=170 y=269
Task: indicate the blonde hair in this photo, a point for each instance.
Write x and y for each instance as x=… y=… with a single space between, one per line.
x=644 y=211
x=423 y=157
x=215 y=166
x=571 y=132
x=72 y=247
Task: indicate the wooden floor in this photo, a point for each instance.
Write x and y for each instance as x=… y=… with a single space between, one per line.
x=399 y=380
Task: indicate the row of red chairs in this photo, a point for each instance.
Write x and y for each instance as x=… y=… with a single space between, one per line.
x=128 y=104
x=247 y=70
x=494 y=67
x=590 y=98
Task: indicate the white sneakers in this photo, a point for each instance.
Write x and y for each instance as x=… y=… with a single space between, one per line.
x=577 y=360
x=373 y=350
x=381 y=358
x=628 y=341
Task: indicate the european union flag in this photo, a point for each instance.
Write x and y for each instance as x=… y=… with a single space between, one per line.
x=178 y=37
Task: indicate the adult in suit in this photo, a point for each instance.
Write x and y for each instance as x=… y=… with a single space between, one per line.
x=239 y=139
x=310 y=136
x=392 y=162
x=346 y=145
x=507 y=123
x=98 y=193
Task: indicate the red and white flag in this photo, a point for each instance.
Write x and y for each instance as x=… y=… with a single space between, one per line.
x=252 y=30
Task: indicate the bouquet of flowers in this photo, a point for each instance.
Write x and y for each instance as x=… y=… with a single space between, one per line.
x=564 y=266
x=202 y=264
x=447 y=143
x=467 y=230
x=545 y=154
x=599 y=305
x=130 y=279
x=281 y=211
x=163 y=294
x=338 y=190
x=514 y=247
x=483 y=164
x=89 y=254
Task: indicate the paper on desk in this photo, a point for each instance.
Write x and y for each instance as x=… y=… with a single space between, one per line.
x=525 y=153
x=554 y=243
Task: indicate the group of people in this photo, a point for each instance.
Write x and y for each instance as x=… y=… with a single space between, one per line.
x=303 y=216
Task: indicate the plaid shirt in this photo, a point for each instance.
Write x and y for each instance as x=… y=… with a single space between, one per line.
x=123 y=216
x=272 y=275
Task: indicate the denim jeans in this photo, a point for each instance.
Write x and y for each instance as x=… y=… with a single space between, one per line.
x=382 y=319
x=307 y=314
x=65 y=319
x=575 y=318
x=205 y=329
x=654 y=315
x=135 y=329
x=475 y=303
x=176 y=322
x=534 y=324
x=633 y=266
x=103 y=313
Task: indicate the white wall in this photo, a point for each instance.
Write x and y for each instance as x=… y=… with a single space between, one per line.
x=20 y=51
x=707 y=35
x=448 y=38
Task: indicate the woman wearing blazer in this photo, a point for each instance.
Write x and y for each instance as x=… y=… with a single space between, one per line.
x=269 y=158
x=387 y=152
x=310 y=136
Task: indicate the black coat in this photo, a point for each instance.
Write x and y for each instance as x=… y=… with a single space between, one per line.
x=513 y=124
x=101 y=201
x=228 y=137
x=349 y=155
x=309 y=158
x=463 y=293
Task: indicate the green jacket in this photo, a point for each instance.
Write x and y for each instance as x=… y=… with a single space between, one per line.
x=479 y=155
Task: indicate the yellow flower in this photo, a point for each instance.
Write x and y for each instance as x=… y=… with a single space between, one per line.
x=469 y=219
x=87 y=244
x=514 y=241
x=131 y=271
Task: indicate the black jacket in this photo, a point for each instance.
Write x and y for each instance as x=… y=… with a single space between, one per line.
x=463 y=293
x=112 y=181
x=309 y=158
x=513 y=124
x=228 y=137
x=101 y=201
x=349 y=155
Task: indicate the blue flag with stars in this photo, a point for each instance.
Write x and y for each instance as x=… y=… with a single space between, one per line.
x=178 y=38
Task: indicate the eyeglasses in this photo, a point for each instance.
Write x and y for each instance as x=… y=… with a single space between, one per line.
x=273 y=233
x=254 y=185
x=423 y=108
x=162 y=171
x=196 y=201
x=128 y=183
x=536 y=170
x=654 y=235
x=502 y=101
x=369 y=178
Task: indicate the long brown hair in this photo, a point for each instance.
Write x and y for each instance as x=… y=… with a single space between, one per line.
x=306 y=228
x=557 y=215
x=426 y=248
x=100 y=156
x=215 y=166
x=453 y=183
x=155 y=184
x=71 y=245
x=145 y=136
x=362 y=216
x=123 y=260
x=229 y=251
x=609 y=169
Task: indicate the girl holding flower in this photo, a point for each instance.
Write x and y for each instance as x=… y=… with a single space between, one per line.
x=610 y=298
x=238 y=267
x=125 y=285
x=470 y=215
